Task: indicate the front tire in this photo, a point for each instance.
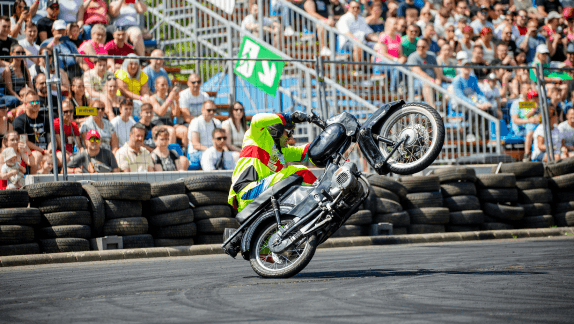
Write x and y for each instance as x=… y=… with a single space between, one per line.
x=285 y=265
x=425 y=130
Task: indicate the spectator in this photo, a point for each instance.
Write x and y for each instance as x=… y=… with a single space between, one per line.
x=165 y=106
x=409 y=41
x=145 y=119
x=16 y=76
x=92 y=12
x=37 y=9
x=112 y=100
x=124 y=122
x=235 y=127
x=540 y=150
x=35 y=127
x=546 y=6
x=481 y=21
x=495 y=94
x=73 y=33
x=466 y=44
x=24 y=157
x=555 y=41
x=445 y=58
x=374 y=19
x=338 y=10
x=530 y=41
x=42 y=88
x=132 y=81
x=6 y=41
x=568 y=14
x=389 y=44
x=429 y=34
x=497 y=14
x=45 y=24
x=165 y=159
x=520 y=27
x=320 y=10
x=133 y=157
x=69 y=10
x=354 y=26
x=198 y=135
x=465 y=86
x=401 y=26
x=412 y=16
x=218 y=156
x=104 y=127
x=12 y=170
x=46 y=165
x=569 y=62
x=407 y=4
x=251 y=24
x=566 y=128
x=73 y=66
x=520 y=57
x=552 y=79
x=95 y=45
x=95 y=80
x=422 y=57
x=191 y=99
x=477 y=59
x=78 y=97
x=118 y=47
x=524 y=121
x=40 y=68
x=71 y=130
x=155 y=69
x=20 y=15
x=29 y=43
x=485 y=41
x=506 y=39
x=95 y=158
x=126 y=15
x=425 y=18
x=462 y=11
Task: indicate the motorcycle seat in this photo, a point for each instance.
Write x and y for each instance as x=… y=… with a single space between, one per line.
x=265 y=196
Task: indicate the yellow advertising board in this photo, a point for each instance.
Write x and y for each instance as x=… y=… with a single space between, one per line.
x=86 y=111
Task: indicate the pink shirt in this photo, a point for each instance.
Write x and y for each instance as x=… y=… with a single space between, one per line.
x=100 y=50
x=393 y=45
x=96 y=13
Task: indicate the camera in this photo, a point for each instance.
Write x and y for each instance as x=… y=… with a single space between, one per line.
x=26 y=8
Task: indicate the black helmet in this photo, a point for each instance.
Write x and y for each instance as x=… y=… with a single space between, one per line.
x=277 y=130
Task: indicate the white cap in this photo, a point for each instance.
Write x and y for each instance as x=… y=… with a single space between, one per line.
x=8 y=153
x=462 y=55
x=464 y=62
x=542 y=48
x=552 y=15
x=59 y=25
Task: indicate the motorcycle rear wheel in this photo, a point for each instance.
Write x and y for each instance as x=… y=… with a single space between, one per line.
x=425 y=128
x=285 y=265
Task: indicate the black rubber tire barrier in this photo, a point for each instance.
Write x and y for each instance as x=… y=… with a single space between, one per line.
x=64 y=245
x=504 y=212
x=174 y=242
x=215 y=211
x=19 y=249
x=455 y=174
x=458 y=203
x=208 y=182
x=458 y=189
x=495 y=226
x=563 y=195
x=126 y=226
x=385 y=206
x=176 y=231
x=563 y=182
x=563 y=207
x=466 y=217
x=206 y=198
x=462 y=228
x=67 y=218
x=179 y=217
x=160 y=205
x=532 y=183
x=65 y=231
x=61 y=204
x=123 y=190
x=400 y=230
x=138 y=241
x=564 y=219
x=429 y=216
x=543 y=221
x=425 y=229
x=522 y=169
x=536 y=209
x=361 y=217
x=122 y=208
x=501 y=180
x=423 y=199
x=16 y=234
x=384 y=193
x=96 y=204
x=387 y=183
x=20 y=216
x=215 y=225
x=397 y=219
x=14 y=198
x=352 y=230
x=167 y=188
x=421 y=183
x=561 y=167
x=209 y=239
x=54 y=189
x=533 y=196
x=498 y=195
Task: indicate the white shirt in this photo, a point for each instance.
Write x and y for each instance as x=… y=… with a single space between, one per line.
x=191 y=102
x=69 y=10
x=22 y=34
x=32 y=48
x=556 y=140
x=205 y=131
x=251 y=20
x=122 y=129
x=567 y=132
x=210 y=157
x=358 y=27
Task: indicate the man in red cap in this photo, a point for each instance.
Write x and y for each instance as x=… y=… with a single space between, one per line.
x=94 y=159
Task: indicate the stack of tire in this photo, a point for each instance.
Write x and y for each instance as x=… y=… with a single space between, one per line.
x=562 y=184
x=498 y=196
x=16 y=223
x=424 y=204
x=123 y=211
x=384 y=202
x=208 y=194
x=358 y=224
x=169 y=215
x=459 y=196
x=65 y=217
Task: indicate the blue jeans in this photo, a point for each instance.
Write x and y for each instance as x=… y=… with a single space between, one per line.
x=87 y=35
x=9 y=101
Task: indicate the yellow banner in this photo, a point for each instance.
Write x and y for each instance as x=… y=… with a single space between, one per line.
x=86 y=111
x=526 y=105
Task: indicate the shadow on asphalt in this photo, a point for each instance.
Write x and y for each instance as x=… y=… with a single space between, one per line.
x=408 y=273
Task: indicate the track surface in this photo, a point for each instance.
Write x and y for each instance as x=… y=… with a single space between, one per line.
x=507 y=281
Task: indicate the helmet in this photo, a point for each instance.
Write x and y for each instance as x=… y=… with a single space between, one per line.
x=276 y=130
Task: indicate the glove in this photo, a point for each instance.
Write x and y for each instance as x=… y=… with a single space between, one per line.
x=300 y=117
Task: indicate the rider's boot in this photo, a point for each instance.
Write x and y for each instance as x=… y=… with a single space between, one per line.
x=234 y=246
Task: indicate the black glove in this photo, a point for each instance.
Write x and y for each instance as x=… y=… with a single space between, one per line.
x=300 y=117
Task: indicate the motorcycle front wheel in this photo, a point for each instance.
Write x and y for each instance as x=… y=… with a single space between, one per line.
x=423 y=128
x=268 y=264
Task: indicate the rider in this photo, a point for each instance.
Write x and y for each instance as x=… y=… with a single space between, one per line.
x=264 y=155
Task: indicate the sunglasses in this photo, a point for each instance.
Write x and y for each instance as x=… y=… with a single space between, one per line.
x=195 y=82
x=100 y=108
x=221 y=138
x=210 y=110
x=290 y=132
x=20 y=53
x=68 y=111
x=54 y=7
x=421 y=47
x=94 y=140
x=238 y=109
x=37 y=102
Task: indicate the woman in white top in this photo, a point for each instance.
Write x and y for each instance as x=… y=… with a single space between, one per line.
x=18 y=20
x=485 y=41
x=235 y=127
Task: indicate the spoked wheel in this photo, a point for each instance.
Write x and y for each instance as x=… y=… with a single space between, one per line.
x=423 y=129
x=268 y=264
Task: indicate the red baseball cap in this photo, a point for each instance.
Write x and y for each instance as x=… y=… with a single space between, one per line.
x=93 y=133
x=532 y=94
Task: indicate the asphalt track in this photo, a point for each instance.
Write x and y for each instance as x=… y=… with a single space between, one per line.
x=503 y=281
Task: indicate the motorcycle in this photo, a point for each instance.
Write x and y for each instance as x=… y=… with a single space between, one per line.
x=281 y=229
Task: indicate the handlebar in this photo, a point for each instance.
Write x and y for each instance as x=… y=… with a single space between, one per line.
x=315 y=119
